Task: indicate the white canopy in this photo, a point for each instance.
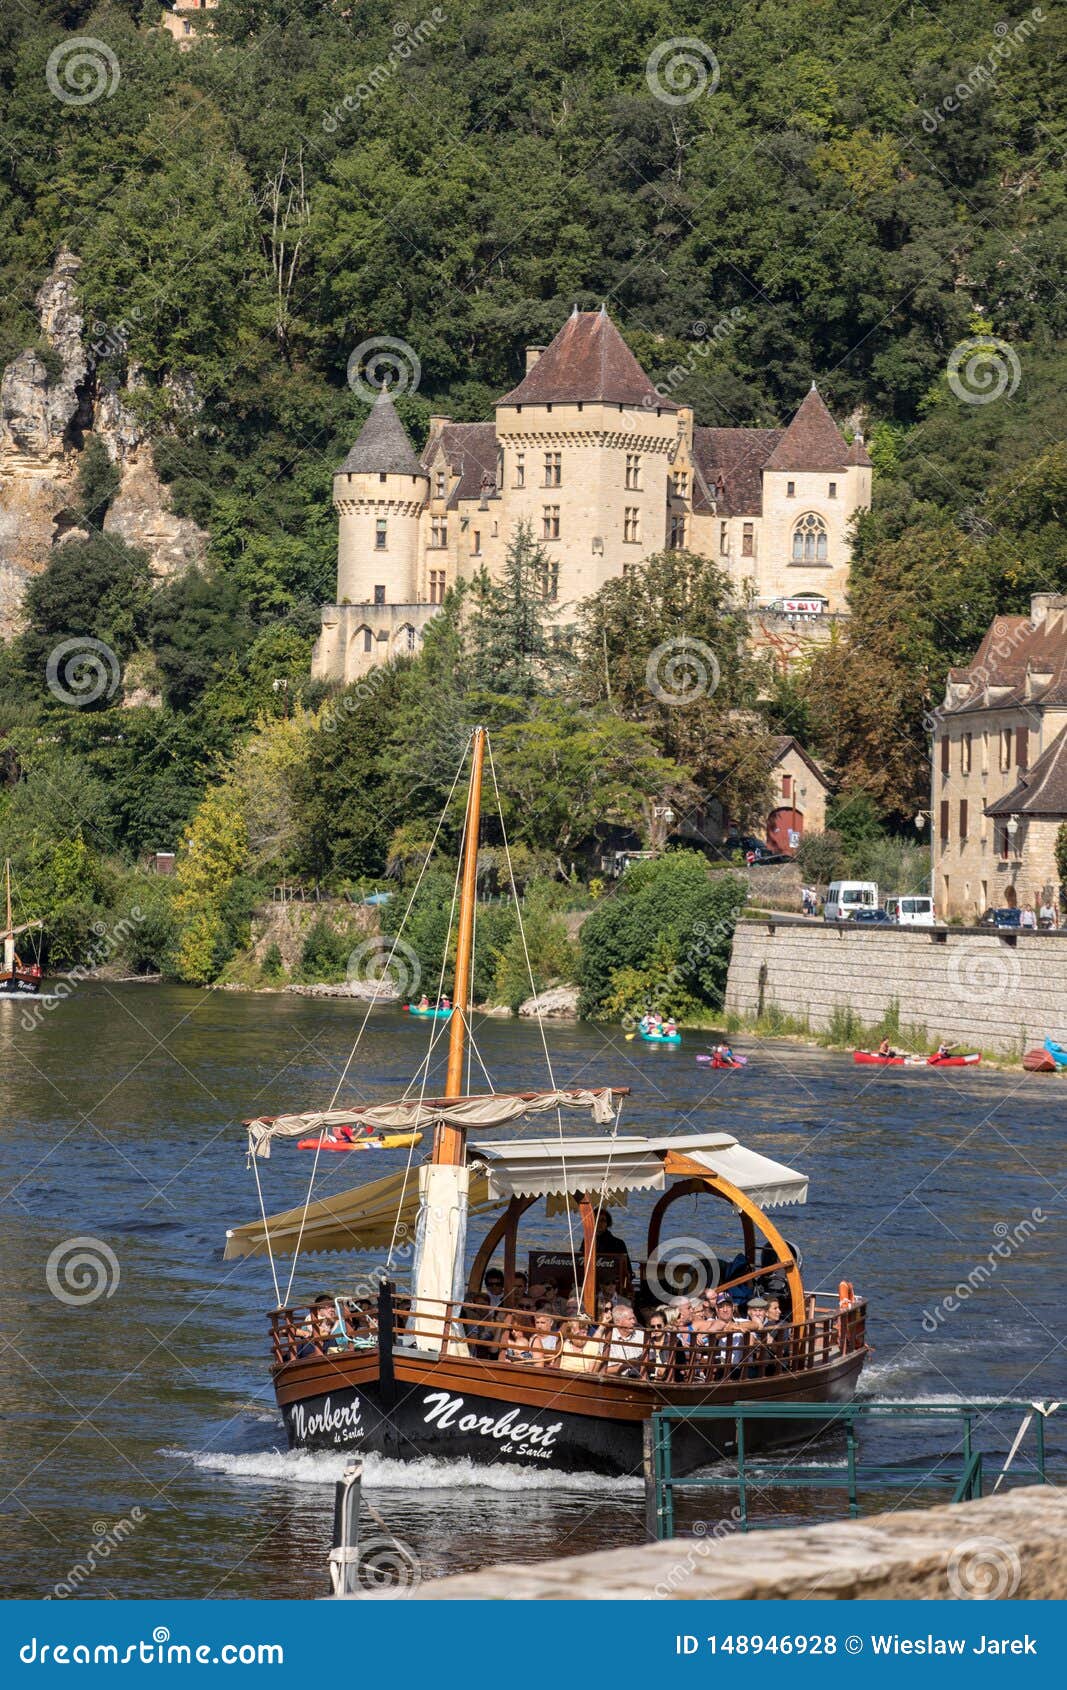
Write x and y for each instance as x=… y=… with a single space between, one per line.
x=547 y=1167
x=495 y=1109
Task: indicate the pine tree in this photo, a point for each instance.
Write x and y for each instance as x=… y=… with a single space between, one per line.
x=512 y=650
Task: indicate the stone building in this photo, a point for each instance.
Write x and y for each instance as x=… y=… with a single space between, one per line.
x=799 y=791
x=999 y=767
x=184 y=20
x=607 y=471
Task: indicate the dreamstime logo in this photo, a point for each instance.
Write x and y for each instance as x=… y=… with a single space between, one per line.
x=386 y=1563
x=393 y=968
x=983 y=369
x=681 y=1267
x=680 y=70
x=82 y=70
x=1009 y=1239
x=384 y=361
x=406 y=40
x=984 y=1569
x=984 y=970
x=80 y=671
x=704 y=1537
x=81 y=1271
x=107 y=1539
x=681 y=670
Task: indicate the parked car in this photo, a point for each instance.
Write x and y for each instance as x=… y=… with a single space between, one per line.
x=911 y=910
x=845 y=897
x=1000 y=918
x=872 y=918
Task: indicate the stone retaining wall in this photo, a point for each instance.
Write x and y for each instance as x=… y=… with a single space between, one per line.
x=1001 y=992
x=1011 y=1546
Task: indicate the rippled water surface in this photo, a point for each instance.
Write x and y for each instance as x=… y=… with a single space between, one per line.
x=144 y=1423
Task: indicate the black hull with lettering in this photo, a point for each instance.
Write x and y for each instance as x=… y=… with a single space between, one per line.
x=424 y=1418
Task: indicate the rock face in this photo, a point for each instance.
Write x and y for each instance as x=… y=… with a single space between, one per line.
x=47 y=408
x=558 y=1003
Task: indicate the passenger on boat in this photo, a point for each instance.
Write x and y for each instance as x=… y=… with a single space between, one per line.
x=545 y=1344
x=732 y=1326
x=661 y=1347
x=516 y=1345
x=625 y=1344
x=607 y=1243
x=885 y=1049
x=669 y=1029
x=494 y=1288
x=579 y=1350
x=424 y=1002
x=446 y=1002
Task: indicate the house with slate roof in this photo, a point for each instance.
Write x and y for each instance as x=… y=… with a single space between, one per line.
x=607 y=470
x=999 y=767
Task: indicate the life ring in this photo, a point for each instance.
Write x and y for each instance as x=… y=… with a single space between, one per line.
x=846 y=1301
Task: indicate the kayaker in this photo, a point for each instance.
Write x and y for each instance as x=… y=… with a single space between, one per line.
x=446 y=1002
x=885 y=1049
x=944 y=1050
x=670 y=1031
x=424 y=1002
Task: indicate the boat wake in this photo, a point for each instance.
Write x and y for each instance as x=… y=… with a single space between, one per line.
x=324 y=1467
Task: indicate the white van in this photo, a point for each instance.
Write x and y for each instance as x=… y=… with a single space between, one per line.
x=844 y=898
x=911 y=910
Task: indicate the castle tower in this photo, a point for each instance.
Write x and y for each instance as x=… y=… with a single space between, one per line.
x=380 y=493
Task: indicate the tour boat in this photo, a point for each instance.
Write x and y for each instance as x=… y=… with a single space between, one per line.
x=426 y=1374
x=18 y=979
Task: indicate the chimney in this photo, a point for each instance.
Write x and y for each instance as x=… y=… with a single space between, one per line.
x=532 y=355
x=1047 y=607
x=437 y=424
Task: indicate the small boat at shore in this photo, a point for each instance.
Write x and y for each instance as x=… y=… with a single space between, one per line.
x=429 y=1014
x=1057 y=1052
x=901 y=1060
x=433 y=1372
x=18 y=979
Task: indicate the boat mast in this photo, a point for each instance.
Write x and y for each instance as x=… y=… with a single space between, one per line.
x=449 y=1144
x=9 y=932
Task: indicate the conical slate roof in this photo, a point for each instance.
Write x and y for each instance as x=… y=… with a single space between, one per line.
x=382 y=446
x=588 y=361
x=812 y=440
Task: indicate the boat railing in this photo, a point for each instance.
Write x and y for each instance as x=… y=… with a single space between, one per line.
x=485 y=1333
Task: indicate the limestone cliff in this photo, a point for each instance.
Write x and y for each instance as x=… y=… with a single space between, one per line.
x=50 y=401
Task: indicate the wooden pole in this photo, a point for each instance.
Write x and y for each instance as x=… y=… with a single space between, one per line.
x=588 y=1214
x=449 y=1145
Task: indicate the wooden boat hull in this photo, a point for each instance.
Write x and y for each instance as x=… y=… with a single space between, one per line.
x=462 y=1408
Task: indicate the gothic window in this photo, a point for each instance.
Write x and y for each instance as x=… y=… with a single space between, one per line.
x=633 y=468
x=809 y=540
x=677 y=539
x=553 y=469
x=631 y=526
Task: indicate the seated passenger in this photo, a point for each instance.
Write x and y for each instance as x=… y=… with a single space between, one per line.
x=516 y=1345
x=669 y=1028
x=625 y=1344
x=661 y=1347
x=579 y=1350
x=544 y=1346
x=424 y=1002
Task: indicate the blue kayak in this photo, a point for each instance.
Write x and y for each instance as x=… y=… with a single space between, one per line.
x=1057 y=1053
x=431 y=1014
x=660 y=1038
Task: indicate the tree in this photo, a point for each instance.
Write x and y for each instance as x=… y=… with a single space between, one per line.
x=93 y=593
x=197 y=622
x=508 y=635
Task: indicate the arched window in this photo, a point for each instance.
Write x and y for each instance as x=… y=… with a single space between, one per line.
x=809 y=540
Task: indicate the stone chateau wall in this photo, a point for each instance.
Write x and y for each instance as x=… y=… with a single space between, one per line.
x=1001 y=992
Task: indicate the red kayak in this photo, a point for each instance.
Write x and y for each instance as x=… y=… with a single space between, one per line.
x=873 y=1060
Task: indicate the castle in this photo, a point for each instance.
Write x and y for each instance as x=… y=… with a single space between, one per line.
x=607 y=471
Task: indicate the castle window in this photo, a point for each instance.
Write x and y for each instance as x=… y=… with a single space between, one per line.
x=476 y=548
x=833 y=490
x=437 y=586
x=748 y=540
x=724 y=539
x=1005 y=750
x=368 y=640
x=550 y=522
x=438 y=531
x=633 y=468
x=809 y=540
x=963 y=818
x=381 y=534
x=382 y=475
x=440 y=481
x=631 y=524
x=548 y=581
x=520 y=469
x=681 y=484
x=677 y=539
x=379 y=595
x=553 y=469
x=965 y=754
x=410 y=633
x=790 y=489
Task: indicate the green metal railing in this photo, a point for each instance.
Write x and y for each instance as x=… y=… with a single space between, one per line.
x=960 y=1469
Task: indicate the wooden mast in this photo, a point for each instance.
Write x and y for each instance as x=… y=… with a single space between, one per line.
x=449 y=1143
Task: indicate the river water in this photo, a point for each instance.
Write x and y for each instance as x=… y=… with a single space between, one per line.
x=142 y=1422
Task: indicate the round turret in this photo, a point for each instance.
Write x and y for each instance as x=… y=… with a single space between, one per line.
x=380 y=492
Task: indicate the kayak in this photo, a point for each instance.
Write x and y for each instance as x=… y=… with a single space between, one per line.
x=1057 y=1053
x=660 y=1038
x=380 y=1141
x=1039 y=1062
x=432 y=1014
x=872 y=1059
x=718 y=1062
